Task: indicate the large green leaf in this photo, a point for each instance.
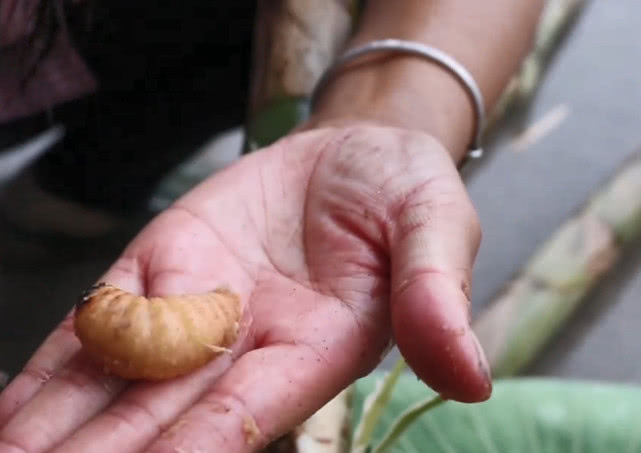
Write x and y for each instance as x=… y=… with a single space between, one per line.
x=523 y=415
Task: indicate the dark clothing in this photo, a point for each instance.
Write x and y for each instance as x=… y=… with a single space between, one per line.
x=168 y=75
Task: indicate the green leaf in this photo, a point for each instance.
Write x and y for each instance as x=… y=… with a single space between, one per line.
x=275 y=120
x=523 y=415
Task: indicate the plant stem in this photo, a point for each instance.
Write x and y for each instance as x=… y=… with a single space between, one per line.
x=374 y=406
x=405 y=420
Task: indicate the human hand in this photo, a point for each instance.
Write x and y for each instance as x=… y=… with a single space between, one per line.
x=337 y=240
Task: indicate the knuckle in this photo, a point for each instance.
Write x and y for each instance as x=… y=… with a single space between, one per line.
x=182 y=436
x=76 y=378
x=234 y=408
x=83 y=376
x=134 y=415
x=38 y=374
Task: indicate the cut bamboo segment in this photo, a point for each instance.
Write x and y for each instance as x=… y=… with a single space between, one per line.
x=294 y=43
x=325 y=431
x=555 y=282
x=555 y=22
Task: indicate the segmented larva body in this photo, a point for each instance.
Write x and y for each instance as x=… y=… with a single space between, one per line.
x=135 y=337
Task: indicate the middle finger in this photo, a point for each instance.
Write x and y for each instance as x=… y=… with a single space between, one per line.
x=70 y=398
x=142 y=412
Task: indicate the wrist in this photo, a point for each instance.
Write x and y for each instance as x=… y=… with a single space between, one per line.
x=402 y=91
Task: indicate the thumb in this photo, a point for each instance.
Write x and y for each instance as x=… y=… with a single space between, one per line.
x=434 y=240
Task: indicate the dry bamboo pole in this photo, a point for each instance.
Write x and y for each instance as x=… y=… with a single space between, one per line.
x=556 y=20
x=294 y=43
x=557 y=279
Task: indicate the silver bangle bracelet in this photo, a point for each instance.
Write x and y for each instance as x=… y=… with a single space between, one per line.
x=431 y=53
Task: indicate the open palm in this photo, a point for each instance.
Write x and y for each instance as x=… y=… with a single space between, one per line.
x=337 y=241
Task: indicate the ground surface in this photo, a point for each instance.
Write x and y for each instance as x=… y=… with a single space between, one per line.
x=521 y=197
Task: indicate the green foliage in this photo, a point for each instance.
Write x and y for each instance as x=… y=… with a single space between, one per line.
x=523 y=415
x=275 y=120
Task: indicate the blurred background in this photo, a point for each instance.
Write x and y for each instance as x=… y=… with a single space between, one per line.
x=541 y=166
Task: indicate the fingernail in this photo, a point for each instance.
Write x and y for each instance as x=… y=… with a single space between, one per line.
x=482 y=361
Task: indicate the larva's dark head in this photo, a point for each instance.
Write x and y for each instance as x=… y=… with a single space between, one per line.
x=86 y=295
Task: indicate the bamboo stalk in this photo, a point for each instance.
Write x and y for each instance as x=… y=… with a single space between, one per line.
x=555 y=282
x=295 y=41
x=556 y=20
x=326 y=433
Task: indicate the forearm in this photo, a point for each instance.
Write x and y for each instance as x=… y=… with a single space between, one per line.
x=489 y=38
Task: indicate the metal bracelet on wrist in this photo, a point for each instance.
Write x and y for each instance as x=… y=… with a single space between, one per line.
x=425 y=51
